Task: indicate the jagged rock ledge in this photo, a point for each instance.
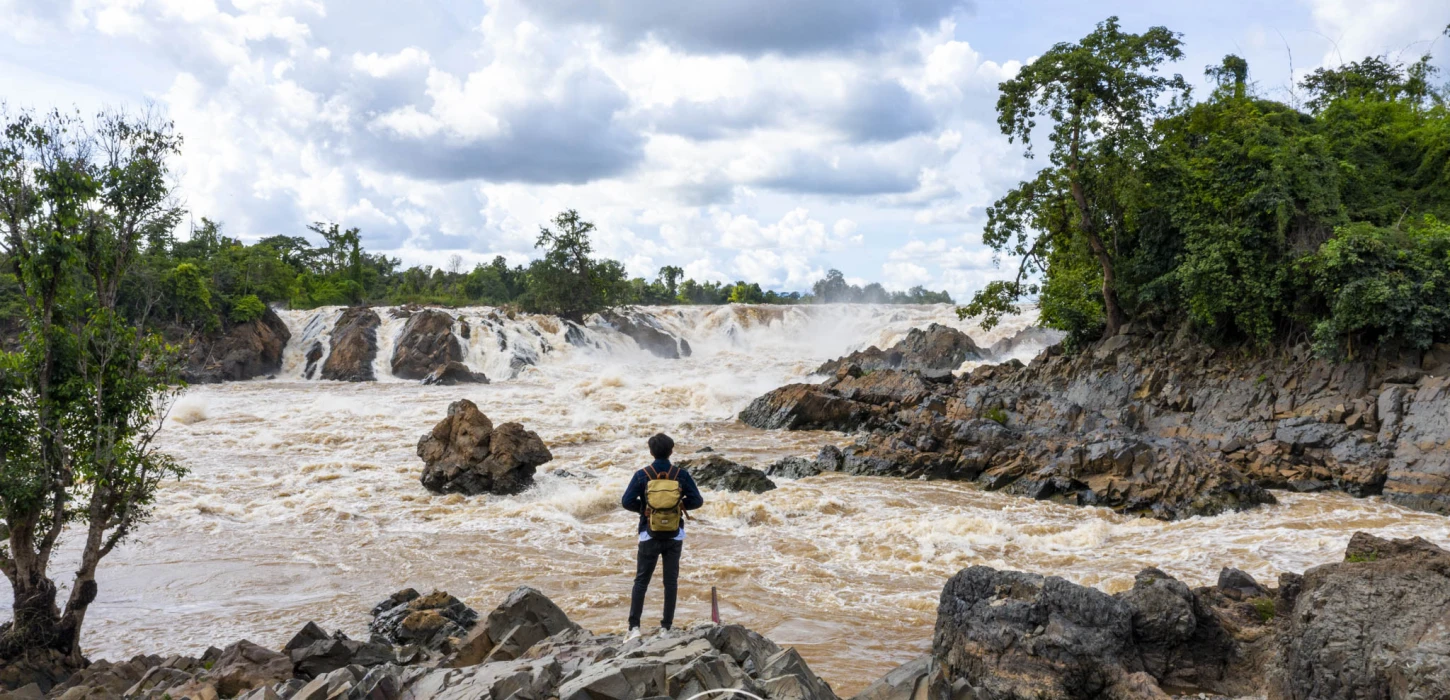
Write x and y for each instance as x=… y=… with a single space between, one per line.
x=1376 y=625
x=1146 y=426
x=435 y=646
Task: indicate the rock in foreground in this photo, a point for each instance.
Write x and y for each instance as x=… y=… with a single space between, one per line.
x=465 y=453
x=1374 y=626
x=526 y=649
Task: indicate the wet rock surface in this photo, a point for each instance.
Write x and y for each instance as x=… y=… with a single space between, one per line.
x=354 y=346
x=934 y=351
x=465 y=453
x=646 y=332
x=454 y=373
x=525 y=648
x=715 y=472
x=426 y=345
x=1376 y=625
x=243 y=351
x=1145 y=426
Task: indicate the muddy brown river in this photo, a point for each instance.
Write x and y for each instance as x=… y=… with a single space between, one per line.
x=303 y=501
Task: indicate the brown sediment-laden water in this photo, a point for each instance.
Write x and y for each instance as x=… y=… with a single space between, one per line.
x=303 y=501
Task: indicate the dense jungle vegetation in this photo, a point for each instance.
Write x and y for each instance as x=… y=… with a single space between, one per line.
x=1326 y=218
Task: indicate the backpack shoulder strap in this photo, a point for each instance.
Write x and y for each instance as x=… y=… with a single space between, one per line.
x=674 y=473
x=651 y=473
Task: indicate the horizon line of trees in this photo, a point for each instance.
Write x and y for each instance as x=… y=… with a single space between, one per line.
x=208 y=280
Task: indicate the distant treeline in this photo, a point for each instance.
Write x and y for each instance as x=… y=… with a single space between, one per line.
x=208 y=278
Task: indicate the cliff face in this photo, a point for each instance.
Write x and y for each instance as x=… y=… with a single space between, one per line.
x=243 y=351
x=1149 y=425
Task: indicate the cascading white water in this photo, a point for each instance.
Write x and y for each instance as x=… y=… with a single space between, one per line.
x=500 y=344
x=303 y=502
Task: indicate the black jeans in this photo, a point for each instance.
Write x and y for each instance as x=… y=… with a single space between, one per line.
x=649 y=551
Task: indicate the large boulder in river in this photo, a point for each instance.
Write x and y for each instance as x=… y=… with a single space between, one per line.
x=1376 y=625
x=716 y=472
x=647 y=333
x=426 y=344
x=354 y=346
x=935 y=351
x=465 y=453
x=243 y=351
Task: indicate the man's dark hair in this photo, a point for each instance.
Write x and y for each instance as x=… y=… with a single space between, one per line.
x=661 y=446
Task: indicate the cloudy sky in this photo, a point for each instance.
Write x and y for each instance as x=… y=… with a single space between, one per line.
x=766 y=140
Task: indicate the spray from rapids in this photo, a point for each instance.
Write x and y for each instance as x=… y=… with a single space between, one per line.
x=304 y=502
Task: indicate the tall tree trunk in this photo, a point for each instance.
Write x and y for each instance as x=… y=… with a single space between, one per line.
x=36 y=623
x=1113 y=310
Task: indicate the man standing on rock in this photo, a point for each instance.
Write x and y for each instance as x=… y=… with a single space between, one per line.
x=661 y=493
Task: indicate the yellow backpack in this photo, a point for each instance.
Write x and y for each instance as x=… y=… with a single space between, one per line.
x=662 y=501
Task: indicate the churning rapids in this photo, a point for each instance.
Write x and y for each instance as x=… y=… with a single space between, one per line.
x=303 y=501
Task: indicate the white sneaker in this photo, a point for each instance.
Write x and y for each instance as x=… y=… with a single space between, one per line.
x=666 y=632
x=633 y=634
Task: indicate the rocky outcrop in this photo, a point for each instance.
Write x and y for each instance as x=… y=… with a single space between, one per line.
x=354 y=346
x=525 y=618
x=426 y=621
x=242 y=351
x=793 y=468
x=933 y=351
x=1144 y=425
x=426 y=345
x=1009 y=635
x=465 y=453
x=645 y=331
x=244 y=665
x=527 y=648
x=1376 y=625
x=715 y=472
x=454 y=373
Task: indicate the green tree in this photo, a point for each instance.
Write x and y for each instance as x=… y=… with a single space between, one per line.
x=83 y=397
x=567 y=281
x=743 y=293
x=1101 y=96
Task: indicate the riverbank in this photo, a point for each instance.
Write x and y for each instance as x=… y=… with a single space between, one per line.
x=1145 y=424
x=1376 y=624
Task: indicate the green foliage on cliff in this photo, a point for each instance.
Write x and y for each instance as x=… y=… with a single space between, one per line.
x=1254 y=220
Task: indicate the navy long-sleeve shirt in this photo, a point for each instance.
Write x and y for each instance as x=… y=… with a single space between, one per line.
x=690 y=497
